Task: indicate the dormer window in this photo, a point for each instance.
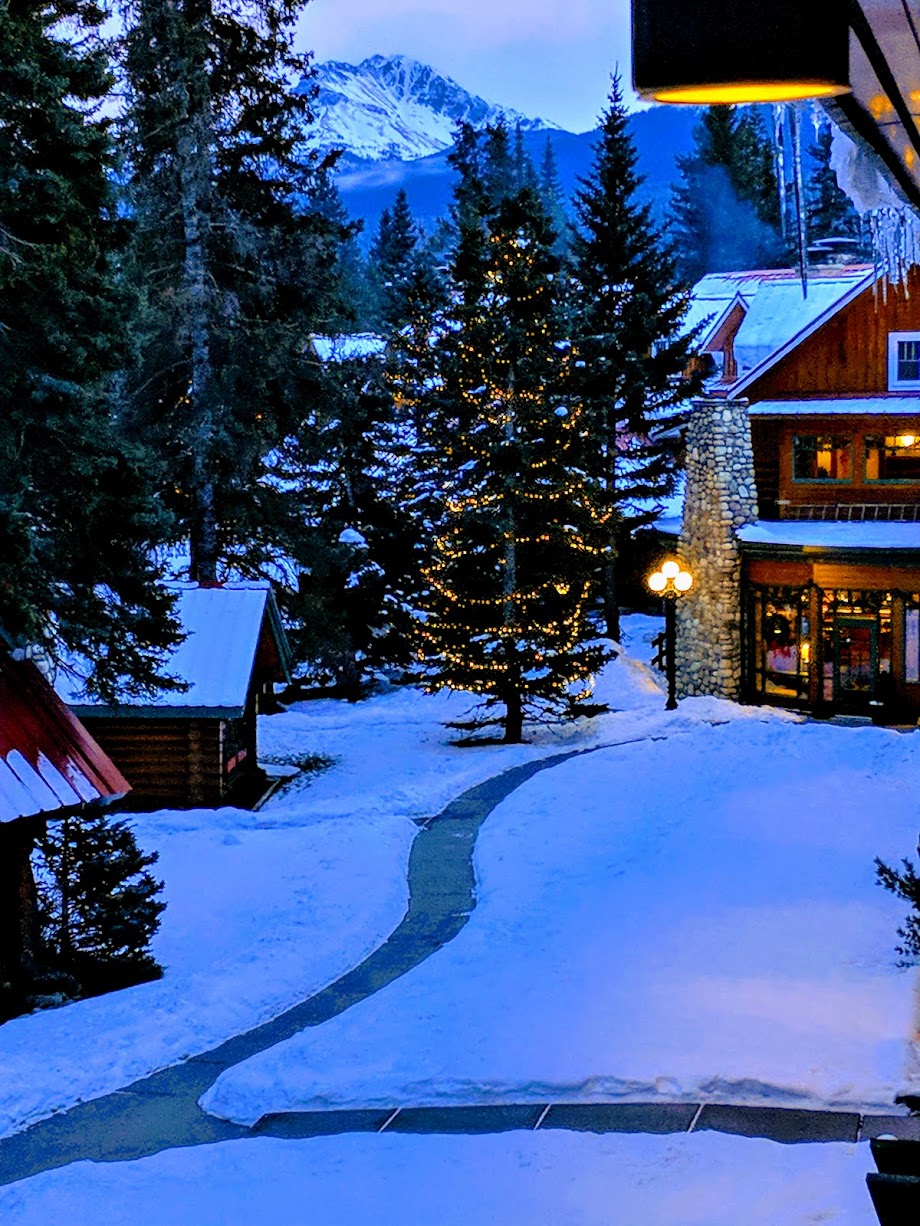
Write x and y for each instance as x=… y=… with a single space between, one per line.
x=903 y=361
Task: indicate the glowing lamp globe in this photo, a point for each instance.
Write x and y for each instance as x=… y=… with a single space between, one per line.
x=738 y=51
x=670 y=569
x=683 y=581
x=657 y=582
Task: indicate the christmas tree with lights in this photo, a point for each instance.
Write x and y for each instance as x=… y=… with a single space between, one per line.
x=515 y=531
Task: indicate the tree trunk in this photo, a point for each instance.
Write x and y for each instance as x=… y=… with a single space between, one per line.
x=609 y=597
x=194 y=178
x=514 y=716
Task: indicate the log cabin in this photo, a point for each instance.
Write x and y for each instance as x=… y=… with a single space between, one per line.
x=50 y=767
x=802 y=508
x=197 y=745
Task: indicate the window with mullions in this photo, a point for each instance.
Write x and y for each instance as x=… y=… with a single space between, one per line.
x=782 y=647
x=903 y=360
x=894 y=457
x=822 y=457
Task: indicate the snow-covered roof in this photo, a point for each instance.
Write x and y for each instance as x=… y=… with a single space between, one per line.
x=900 y=406
x=48 y=761
x=215 y=661
x=348 y=348
x=821 y=535
x=711 y=310
x=777 y=314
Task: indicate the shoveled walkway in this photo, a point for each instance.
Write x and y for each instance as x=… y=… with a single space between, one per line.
x=161 y=1111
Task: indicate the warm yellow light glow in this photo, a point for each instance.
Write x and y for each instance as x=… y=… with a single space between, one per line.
x=670 y=569
x=740 y=92
x=880 y=106
x=906 y=440
x=806 y=652
x=657 y=582
x=684 y=581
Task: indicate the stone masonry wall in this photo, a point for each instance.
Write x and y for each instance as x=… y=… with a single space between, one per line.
x=720 y=498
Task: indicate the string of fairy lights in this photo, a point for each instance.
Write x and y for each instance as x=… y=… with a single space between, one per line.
x=511 y=569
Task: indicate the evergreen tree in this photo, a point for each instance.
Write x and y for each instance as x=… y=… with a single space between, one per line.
x=350 y=613
x=829 y=210
x=230 y=266
x=78 y=513
x=906 y=885
x=498 y=166
x=553 y=197
x=505 y=611
x=725 y=208
x=631 y=351
x=395 y=254
x=97 y=901
x=351 y=302
x=524 y=173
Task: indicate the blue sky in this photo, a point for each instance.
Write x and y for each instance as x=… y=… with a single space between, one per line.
x=546 y=57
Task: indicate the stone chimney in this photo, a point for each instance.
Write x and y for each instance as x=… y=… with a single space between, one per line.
x=720 y=498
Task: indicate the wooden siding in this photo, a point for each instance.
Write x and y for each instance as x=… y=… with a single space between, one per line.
x=848 y=356
x=169 y=762
x=765 y=441
x=18 y=933
x=772 y=444
x=844 y=576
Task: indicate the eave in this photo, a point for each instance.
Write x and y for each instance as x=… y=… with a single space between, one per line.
x=883 y=110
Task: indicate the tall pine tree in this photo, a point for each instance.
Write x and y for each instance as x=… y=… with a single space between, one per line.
x=506 y=610
x=78 y=512
x=395 y=256
x=725 y=206
x=632 y=354
x=229 y=265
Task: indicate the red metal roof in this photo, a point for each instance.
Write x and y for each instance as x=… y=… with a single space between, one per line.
x=48 y=761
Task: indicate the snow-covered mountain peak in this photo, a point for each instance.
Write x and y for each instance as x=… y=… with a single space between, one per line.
x=393 y=107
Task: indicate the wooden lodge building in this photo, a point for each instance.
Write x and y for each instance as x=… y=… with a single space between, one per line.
x=49 y=767
x=802 y=509
x=197 y=745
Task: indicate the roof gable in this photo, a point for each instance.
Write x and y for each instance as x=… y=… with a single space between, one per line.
x=777 y=315
x=48 y=761
x=224 y=627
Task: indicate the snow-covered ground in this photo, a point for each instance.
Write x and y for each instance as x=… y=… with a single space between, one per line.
x=542 y=1178
x=266 y=908
x=692 y=918
x=690 y=914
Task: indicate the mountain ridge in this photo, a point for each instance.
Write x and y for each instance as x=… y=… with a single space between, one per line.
x=394 y=108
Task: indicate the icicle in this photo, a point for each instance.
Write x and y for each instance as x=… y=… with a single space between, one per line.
x=894 y=228
x=779 y=162
x=895 y=242
x=801 y=235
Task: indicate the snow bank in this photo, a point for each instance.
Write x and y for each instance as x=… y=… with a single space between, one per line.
x=547 y=1178
x=686 y=918
x=257 y=919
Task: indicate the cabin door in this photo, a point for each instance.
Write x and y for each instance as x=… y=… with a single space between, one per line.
x=856 y=660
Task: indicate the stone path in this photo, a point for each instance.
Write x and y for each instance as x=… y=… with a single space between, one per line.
x=161 y=1111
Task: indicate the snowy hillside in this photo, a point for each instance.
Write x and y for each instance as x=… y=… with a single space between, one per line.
x=392 y=107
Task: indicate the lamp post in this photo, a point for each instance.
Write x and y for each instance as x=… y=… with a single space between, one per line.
x=669 y=582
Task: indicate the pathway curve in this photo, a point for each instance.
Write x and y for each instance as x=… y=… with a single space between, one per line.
x=161 y=1111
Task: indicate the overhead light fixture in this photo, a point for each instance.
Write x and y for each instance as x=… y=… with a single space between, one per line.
x=740 y=51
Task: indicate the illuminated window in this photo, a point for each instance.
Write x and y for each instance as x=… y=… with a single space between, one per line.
x=821 y=457
x=896 y=457
x=903 y=360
